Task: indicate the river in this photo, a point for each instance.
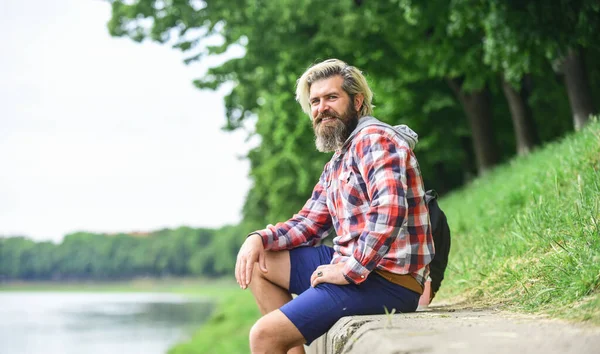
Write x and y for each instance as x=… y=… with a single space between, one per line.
x=94 y=323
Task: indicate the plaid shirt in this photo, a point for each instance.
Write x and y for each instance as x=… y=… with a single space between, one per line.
x=371 y=192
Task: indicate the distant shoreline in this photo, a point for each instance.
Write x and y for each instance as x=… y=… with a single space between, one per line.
x=189 y=286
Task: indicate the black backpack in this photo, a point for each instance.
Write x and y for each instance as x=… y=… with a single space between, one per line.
x=441 y=240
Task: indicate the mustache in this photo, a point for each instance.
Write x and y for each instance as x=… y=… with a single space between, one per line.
x=324 y=115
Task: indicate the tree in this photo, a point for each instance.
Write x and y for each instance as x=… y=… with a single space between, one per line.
x=521 y=33
x=13 y=252
x=522 y=116
x=425 y=61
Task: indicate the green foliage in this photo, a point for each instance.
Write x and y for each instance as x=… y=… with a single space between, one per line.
x=408 y=49
x=15 y=254
x=227 y=329
x=528 y=234
x=183 y=251
x=521 y=35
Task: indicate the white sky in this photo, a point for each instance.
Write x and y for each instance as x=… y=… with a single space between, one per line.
x=102 y=134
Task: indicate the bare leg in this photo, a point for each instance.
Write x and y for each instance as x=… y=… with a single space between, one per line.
x=275 y=333
x=270 y=291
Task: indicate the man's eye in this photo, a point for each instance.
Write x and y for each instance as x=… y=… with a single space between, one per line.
x=314 y=102
x=332 y=97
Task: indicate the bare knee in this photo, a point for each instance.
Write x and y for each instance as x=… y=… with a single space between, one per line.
x=274 y=333
x=278 y=270
x=258 y=277
x=263 y=338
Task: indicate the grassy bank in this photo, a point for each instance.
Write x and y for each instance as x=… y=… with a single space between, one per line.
x=527 y=235
x=227 y=329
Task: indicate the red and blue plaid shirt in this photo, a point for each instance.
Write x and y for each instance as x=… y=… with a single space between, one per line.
x=371 y=192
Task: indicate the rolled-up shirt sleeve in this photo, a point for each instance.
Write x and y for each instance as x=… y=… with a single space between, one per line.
x=306 y=228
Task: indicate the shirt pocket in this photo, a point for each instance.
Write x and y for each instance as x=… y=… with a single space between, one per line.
x=350 y=188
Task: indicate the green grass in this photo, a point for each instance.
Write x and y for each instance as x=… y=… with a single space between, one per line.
x=227 y=329
x=527 y=235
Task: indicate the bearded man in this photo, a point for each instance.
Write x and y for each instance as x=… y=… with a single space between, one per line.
x=370 y=194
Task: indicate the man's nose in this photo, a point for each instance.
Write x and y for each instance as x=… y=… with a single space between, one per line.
x=323 y=107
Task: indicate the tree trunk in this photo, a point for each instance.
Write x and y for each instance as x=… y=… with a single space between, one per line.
x=469 y=165
x=522 y=118
x=578 y=87
x=478 y=110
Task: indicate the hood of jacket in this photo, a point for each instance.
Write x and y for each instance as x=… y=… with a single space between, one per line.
x=403 y=131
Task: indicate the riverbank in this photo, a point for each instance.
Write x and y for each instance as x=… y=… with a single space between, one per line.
x=525 y=238
x=226 y=331
x=190 y=286
x=94 y=322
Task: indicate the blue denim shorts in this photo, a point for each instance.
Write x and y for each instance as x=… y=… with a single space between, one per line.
x=315 y=310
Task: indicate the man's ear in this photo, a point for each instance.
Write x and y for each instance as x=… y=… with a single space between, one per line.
x=358 y=101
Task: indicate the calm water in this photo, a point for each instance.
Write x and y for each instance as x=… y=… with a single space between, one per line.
x=82 y=323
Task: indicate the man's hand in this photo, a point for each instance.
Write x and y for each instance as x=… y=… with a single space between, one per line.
x=329 y=273
x=252 y=251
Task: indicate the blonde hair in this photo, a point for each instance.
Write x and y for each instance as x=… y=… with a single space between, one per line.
x=354 y=83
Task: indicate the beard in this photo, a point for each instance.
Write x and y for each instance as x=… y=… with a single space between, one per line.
x=331 y=135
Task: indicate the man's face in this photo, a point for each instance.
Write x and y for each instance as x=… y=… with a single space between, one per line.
x=334 y=114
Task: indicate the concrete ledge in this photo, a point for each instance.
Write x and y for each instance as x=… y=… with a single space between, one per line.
x=360 y=334
x=454 y=330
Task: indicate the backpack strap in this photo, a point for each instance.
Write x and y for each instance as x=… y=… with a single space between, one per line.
x=430 y=195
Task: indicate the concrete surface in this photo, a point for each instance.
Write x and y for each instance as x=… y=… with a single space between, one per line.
x=448 y=330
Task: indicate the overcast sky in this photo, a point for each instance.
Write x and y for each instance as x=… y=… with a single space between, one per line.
x=103 y=134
